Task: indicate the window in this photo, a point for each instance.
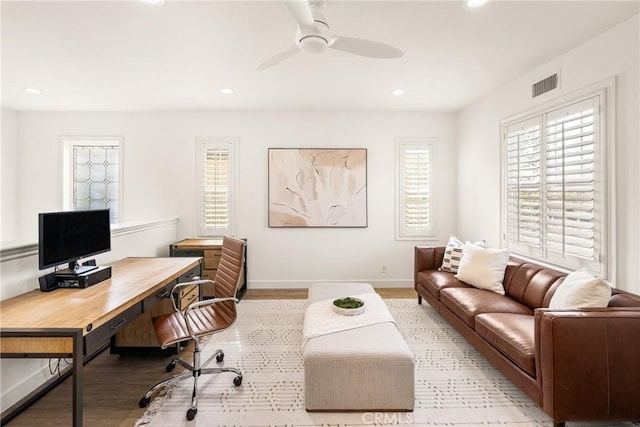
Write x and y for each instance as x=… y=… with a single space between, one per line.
x=216 y=176
x=92 y=174
x=415 y=199
x=555 y=184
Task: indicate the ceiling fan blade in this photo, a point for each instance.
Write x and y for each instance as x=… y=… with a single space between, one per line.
x=301 y=11
x=279 y=57
x=363 y=47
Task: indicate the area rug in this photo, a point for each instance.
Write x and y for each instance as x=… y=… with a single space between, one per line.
x=455 y=385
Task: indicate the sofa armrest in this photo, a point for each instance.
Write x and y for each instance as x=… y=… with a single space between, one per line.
x=588 y=363
x=427 y=258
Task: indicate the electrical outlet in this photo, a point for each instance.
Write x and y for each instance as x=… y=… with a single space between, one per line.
x=384 y=268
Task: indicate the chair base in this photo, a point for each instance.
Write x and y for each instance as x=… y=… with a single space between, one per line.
x=195 y=371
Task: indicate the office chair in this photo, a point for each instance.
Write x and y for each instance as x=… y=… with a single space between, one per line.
x=199 y=319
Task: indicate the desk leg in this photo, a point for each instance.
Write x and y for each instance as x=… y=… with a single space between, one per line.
x=51 y=348
x=77 y=378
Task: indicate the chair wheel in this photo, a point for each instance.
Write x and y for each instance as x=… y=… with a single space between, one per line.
x=171 y=366
x=191 y=413
x=144 y=402
x=237 y=381
x=220 y=357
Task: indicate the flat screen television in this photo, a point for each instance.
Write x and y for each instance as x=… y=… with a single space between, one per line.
x=66 y=237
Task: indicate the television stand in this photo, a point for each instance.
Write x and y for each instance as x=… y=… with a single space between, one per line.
x=68 y=278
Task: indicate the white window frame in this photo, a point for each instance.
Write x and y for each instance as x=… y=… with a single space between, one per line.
x=603 y=262
x=203 y=143
x=68 y=143
x=403 y=230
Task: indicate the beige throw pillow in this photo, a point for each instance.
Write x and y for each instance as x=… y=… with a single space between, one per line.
x=483 y=268
x=581 y=289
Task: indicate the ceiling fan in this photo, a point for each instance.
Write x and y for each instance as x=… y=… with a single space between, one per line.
x=313 y=36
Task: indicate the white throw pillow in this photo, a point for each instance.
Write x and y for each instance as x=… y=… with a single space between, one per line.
x=581 y=289
x=483 y=268
x=453 y=253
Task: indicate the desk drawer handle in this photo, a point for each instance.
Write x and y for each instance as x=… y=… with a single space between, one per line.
x=164 y=294
x=189 y=276
x=120 y=323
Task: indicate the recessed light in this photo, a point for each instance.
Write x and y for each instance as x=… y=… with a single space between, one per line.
x=227 y=91
x=397 y=92
x=474 y=3
x=154 y=2
x=33 y=90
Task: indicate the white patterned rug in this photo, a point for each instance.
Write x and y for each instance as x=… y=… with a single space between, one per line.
x=455 y=385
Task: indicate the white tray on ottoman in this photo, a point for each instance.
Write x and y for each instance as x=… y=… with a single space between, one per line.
x=368 y=368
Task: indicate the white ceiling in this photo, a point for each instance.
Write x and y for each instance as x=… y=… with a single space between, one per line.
x=129 y=55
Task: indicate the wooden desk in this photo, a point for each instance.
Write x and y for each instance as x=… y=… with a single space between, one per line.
x=75 y=322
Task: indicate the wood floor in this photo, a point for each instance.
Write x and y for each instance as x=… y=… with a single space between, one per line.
x=114 y=384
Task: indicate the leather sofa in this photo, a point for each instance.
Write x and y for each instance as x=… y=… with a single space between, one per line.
x=577 y=365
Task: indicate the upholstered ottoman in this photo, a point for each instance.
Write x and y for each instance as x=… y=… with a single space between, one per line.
x=367 y=368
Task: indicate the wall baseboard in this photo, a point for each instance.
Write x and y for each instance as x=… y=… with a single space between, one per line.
x=24 y=392
x=297 y=284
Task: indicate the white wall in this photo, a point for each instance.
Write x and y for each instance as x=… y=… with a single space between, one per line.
x=160 y=181
x=9 y=185
x=613 y=53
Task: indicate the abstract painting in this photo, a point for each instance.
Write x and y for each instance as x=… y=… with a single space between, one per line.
x=317 y=187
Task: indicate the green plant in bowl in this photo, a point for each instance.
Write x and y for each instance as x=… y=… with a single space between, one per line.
x=348 y=306
x=348 y=302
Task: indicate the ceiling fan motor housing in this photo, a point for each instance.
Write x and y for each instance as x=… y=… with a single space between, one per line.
x=313 y=43
x=313 y=39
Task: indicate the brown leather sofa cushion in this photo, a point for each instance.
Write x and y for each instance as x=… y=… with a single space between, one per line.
x=512 y=334
x=621 y=298
x=531 y=284
x=434 y=281
x=466 y=303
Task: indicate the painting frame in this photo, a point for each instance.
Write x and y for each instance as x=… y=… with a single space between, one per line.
x=317 y=188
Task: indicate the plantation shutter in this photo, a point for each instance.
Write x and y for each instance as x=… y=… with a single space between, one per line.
x=554 y=172
x=523 y=194
x=216 y=193
x=416 y=189
x=570 y=195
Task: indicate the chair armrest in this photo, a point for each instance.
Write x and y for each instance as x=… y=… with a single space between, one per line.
x=588 y=363
x=173 y=293
x=211 y=301
x=427 y=258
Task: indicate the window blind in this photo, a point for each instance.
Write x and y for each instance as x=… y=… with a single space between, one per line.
x=569 y=183
x=215 y=197
x=416 y=189
x=524 y=219
x=553 y=198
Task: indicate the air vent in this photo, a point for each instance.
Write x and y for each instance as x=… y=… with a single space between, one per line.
x=545 y=85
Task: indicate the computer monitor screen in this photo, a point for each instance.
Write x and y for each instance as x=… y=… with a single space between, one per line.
x=69 y=236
